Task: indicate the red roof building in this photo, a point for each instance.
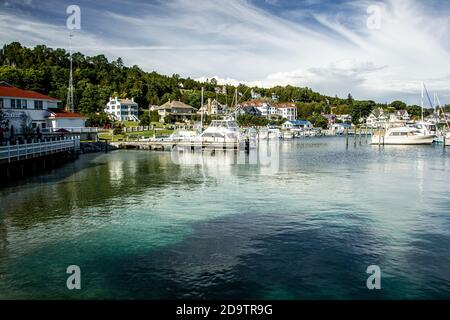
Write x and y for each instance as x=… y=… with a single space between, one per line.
x=7 y=91
x=41 y=111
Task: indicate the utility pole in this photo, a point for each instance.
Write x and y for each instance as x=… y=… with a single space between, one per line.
x=70 y=102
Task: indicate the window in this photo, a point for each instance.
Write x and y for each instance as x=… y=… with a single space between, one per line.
x=1 y=103
x=13 y=104
x=24 y=104
x=38 y=105
x=18 y=104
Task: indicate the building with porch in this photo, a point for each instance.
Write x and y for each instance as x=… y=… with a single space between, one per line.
x=176 y=111
x=122 y=109
x=37 y=111
x=297 y=125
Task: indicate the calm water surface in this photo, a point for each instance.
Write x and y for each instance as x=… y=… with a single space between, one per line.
x=305 y=226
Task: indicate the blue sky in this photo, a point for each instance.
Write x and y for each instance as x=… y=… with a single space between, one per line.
x=326 y=45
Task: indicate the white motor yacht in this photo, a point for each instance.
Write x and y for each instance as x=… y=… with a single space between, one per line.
x=226 y=130
x=402 y=136
x=425 y=127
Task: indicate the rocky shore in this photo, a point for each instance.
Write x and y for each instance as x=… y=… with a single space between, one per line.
x=93 y=147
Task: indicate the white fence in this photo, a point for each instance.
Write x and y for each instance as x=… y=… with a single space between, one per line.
x=30 y=150
x=72 y=130
x=137 y=129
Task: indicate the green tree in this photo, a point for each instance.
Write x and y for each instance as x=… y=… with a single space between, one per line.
x=318 y=121
x=98 y=120
x=46 y=70
x=398 y=105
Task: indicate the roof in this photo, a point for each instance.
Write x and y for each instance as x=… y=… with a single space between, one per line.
x=298 y=122
x=285 y=105
x=345 y=125
x=13 y=92
x=255 y=103
x=62 y=130
x=174 y=104
x=59 y=113
x=261 y=102
x=126 y=101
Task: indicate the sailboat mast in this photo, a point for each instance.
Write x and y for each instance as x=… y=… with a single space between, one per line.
x=423 y=85
x=203 y=110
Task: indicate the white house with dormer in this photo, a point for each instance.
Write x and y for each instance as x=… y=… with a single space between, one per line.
x=122 y=109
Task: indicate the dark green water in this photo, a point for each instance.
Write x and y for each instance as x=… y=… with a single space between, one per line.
x=308 y=226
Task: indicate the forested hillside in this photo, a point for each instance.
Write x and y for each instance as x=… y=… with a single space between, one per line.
x=46 y=70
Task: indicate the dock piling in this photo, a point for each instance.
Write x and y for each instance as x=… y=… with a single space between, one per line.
x=346 y=137
x=443 y=136
x=360 y=135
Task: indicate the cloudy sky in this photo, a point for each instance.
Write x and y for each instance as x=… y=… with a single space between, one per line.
x=378 y=50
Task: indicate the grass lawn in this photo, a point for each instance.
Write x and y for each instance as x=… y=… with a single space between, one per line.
x=130 y=123
x=135 y=135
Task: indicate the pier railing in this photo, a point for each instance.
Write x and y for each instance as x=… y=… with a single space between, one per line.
x=36 y=149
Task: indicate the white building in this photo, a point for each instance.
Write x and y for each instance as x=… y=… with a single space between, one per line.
x=213 y=107
x=268 y=109
x=175 y=111
x=65 y=120
x=255 y=95
x=379 y=119
x=344 y=117
x=339 y=128
x=122 y=109
x=287 y=111
x=39 y=111
x=297 y=124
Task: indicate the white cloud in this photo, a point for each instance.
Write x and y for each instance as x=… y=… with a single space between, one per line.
x=235 y=40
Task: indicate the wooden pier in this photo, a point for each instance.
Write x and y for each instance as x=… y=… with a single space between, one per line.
x=20 y=160
x=185 y=145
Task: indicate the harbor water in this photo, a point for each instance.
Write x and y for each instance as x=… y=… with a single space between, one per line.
x=303 y=223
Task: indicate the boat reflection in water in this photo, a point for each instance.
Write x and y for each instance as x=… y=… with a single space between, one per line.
x=265 y=156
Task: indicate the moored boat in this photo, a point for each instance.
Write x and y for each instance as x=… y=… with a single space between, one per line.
x=402 y=136
x=226 y=130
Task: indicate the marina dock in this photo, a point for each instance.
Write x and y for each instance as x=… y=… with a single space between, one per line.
x=20 y=160
x=181 y=145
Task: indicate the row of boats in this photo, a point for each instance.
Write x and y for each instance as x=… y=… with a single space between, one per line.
x=227 y=131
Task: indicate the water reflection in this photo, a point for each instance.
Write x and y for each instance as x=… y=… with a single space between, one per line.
x=293 y=219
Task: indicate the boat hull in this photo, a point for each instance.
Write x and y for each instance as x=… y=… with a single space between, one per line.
x=408 y=140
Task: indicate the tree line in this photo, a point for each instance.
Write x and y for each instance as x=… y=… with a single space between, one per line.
x=46 y=70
